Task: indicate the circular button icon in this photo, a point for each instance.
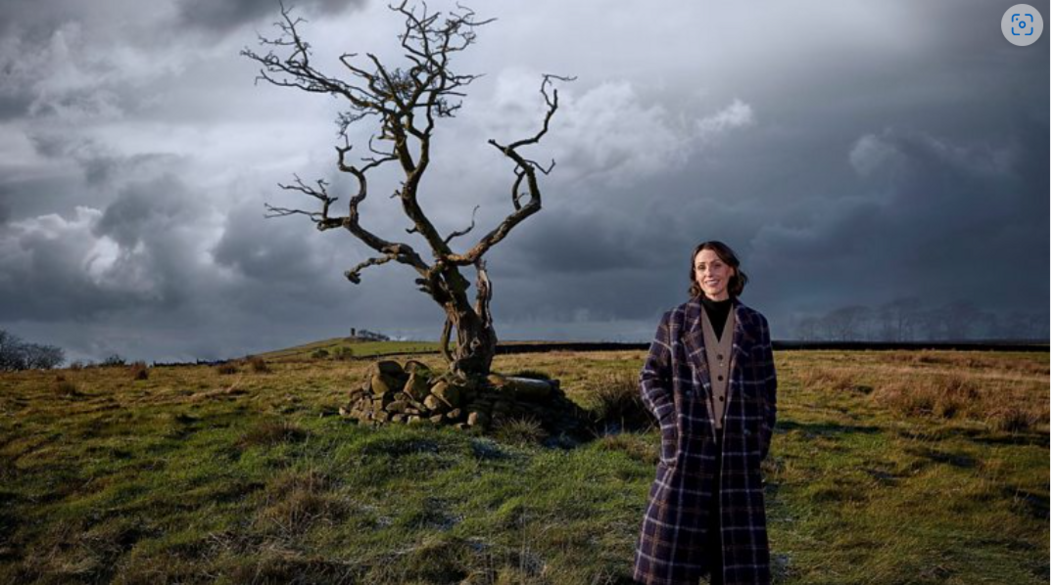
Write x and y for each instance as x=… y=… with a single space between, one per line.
x=1022 y=25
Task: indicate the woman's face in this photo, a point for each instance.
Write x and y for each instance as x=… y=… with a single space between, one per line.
x=712 y=274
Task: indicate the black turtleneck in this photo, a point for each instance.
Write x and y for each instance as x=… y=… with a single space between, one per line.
x=717 y=313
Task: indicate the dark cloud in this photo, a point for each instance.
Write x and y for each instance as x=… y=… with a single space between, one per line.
x=143 y=210
x=934 y=218
x=262 y=249
x=225 y=15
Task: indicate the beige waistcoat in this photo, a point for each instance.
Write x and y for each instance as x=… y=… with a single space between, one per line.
x=718 y=355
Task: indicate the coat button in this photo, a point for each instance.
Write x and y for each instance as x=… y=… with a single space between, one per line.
x=722 y=399
x=720 y=377
x=720 y=357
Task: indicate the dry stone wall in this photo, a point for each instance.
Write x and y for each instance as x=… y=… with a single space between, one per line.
x=412 y=394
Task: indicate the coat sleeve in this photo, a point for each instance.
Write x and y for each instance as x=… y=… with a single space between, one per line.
x=769 y=372
x=655 y=379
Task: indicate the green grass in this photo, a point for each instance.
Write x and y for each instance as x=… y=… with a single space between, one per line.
x=195 y=477
x=353 y=348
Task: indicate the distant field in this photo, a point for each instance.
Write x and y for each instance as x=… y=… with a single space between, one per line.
x=887 y=467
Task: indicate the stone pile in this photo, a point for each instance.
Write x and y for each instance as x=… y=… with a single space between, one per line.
x=412 y=394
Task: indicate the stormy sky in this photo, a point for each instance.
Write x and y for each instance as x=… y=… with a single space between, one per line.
x=853 y=153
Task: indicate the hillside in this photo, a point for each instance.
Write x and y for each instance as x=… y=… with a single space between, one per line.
x=887 y=467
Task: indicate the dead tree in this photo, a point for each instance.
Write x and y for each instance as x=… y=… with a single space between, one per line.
x=406 y=103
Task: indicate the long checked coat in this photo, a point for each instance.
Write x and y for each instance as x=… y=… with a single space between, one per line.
x=676 y=385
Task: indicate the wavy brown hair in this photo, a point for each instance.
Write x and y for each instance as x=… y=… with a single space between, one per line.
x=737 y=282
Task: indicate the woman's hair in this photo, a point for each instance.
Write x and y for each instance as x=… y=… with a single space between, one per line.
x=737 y=281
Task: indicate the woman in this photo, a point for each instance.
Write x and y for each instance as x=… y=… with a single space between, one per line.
x=710 y=381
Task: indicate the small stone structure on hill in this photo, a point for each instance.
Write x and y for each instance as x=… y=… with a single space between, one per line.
x=412 y=394
x=367 y=335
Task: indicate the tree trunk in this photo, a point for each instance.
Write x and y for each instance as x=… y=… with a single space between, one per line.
x=475 y=338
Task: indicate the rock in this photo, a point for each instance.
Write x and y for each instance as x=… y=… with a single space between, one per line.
x=397 y=418
x=437 y=418
x=450 y=394
x=530 y=388
x=413 y=411
x=381 y=384
x=388 y=368
x=414 y=419
x=497 y=380
x=396 y=406
x=355 y=395
x=433 y=403
x=462 y=426
x=417 y=386
x=415 y=366
x=454 y=414
x=478 y=418
x=344 y=411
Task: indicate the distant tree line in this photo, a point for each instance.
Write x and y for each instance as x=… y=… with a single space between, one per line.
x=16 y=354
x=908 y=319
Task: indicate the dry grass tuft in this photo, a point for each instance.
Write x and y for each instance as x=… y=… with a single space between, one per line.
x=138 y=371
x=616 y=402
x=1014 y=419
x=258 y=364
x=227 y=368
x=271 y=432
x=822 y=378
x=522 y=430
x=64 y=388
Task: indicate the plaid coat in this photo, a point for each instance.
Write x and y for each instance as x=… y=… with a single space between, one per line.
x=676 y=386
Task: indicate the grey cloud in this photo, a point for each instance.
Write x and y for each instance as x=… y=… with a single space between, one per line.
x=225 y=15
x=265 y=249
x=143 y=210
x=43 y=274
x=941 y=225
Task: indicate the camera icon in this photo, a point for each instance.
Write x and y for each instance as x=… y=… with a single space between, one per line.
x=1016 y=20
x=1022 y=25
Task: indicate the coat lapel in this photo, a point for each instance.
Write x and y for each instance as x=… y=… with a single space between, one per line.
x=693 y=341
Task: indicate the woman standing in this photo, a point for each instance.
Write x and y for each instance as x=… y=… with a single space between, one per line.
x=711 y=383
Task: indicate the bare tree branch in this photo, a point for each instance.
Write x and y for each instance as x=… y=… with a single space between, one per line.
x=525 y=169
x=353 y=274
x=472 y=222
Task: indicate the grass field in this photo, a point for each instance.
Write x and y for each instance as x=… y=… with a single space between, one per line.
x=887 y=467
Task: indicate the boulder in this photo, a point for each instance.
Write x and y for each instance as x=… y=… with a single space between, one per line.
x=450 y=394
x=417 y=386
x=478 y=419
x=388 y=368
x=381 y=384
x=415 y=366
x=530 y=388
x=433 y=403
